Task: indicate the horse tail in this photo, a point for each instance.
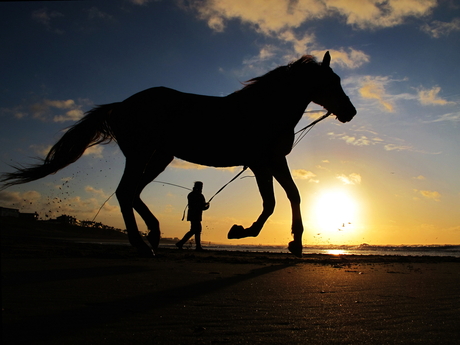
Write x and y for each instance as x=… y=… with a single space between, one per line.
x=91 y=130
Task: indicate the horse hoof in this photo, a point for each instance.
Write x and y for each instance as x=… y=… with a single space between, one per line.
x=237 y=231
x=144 y=250
x=295 y=249
x=146 y=253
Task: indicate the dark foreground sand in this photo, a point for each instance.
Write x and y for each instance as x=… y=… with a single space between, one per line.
x=60 y=292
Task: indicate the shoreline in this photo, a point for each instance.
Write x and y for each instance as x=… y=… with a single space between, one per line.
x=26 y=232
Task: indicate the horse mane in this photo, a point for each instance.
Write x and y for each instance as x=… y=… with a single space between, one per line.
x=276 y=76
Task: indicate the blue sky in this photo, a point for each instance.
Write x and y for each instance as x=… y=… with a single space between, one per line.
x=392 y=172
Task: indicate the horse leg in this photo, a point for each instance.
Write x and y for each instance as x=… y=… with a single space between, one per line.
x=283 y=176
x=127 y=192
x=156 y=165
x=264 y=180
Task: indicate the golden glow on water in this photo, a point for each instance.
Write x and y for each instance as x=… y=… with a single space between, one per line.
x=336 y=252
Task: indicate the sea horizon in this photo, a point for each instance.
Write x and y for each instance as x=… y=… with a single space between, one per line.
x=331 y=249
x=443 y=250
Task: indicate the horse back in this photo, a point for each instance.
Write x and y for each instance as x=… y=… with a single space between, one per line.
x=208 y=130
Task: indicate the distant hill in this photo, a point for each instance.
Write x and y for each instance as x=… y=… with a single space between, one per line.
x=19 y=227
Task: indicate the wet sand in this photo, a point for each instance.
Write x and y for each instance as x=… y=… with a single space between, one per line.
x=59 y=292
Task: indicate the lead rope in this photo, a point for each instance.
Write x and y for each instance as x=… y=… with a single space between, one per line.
x=220 y=190
x=309 y=127
x=233 y=179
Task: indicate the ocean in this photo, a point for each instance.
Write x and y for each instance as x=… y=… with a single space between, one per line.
x=363 y=249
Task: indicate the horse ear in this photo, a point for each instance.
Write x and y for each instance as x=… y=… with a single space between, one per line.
x=326 y=60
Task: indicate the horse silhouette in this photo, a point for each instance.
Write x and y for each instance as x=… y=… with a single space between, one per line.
x=251 y=127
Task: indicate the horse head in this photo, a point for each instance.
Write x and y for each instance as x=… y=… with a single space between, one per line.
x=327 y=92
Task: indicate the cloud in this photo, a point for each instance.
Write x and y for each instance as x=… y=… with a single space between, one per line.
x=314 y=114
x=402 y=147
x=140 y=2
x=362 y=140
x=265 y=53
x=449 y=117
x=95 y=13
x=96 y=151
x=351 y=179
x=302 y=174
x=269 y=16
x=43 y=16
x=19 y=200
x=260 y=63
x=394 y=147
x=78 y=207
x=279 y=20
x=180 y=164
x=345 y=58
x=50 y=110
x=430 y=97
x=286 y=47
x=318 y=166
x=373 y=14
x=96 y=192
x=43 y=110
x=49 y=206
x=437 y=28
x=388 y=143
x=41 y=150
x=300 y=44
x=428 y=194
x=373 y=87
x=419 y=177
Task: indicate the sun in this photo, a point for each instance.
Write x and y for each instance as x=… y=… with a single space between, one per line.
x=334 y=211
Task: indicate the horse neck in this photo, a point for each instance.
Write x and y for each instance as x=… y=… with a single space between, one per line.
x=285 y=103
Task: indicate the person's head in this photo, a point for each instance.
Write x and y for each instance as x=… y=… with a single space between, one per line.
x=198 y=186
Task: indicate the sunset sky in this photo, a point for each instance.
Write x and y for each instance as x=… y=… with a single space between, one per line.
x=390 y=176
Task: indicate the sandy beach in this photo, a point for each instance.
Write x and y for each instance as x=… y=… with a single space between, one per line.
x=55 y=291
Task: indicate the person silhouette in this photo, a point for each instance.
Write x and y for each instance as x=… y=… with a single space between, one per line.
x=196 y=205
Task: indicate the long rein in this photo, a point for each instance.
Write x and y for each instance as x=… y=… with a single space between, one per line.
x=309 y=127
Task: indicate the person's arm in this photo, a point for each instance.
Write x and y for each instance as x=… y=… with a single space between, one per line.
x=205 y=204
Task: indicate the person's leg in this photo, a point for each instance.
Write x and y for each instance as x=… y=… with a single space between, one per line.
x=196 y=229
x=184 y=239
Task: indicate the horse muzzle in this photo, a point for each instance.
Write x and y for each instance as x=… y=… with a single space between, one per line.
x=345 y=116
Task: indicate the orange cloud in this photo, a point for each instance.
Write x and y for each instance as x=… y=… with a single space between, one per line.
x=304 y=175
x=268 y=16
x=353 y=178
x=433 y=195
x=430 y=97
x=374 y=88
x=180 y=164
x=368 y=14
